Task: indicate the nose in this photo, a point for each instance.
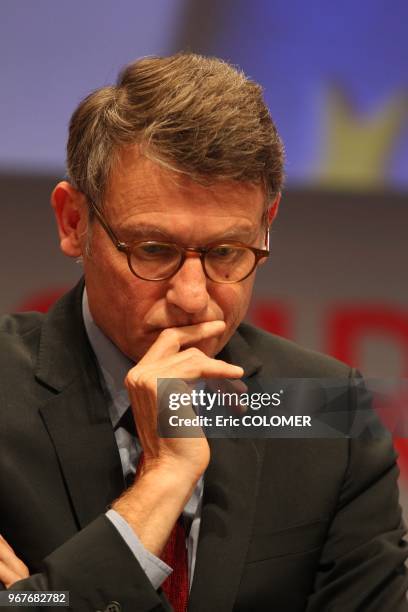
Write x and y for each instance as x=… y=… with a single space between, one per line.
x=188 y=288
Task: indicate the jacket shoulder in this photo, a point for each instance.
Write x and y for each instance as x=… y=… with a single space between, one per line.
x=19 y=336
x=289 y=358
x=19 y=324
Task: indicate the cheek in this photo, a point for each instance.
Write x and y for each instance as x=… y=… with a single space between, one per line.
x=234 y=301
x=135 y=307
x=140 y=300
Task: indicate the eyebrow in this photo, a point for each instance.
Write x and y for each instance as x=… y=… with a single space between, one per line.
x=149 y=231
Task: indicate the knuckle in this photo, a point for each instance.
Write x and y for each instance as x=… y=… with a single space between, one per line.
x=144 y=381
x=130 y=379
x=194 y=352
x=135 y=380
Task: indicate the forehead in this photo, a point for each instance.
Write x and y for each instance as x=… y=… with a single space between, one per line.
x=142 y=191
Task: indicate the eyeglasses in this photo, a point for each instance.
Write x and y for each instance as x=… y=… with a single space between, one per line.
x=223 y=262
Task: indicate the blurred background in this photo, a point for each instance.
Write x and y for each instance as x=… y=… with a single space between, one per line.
x=336 y=81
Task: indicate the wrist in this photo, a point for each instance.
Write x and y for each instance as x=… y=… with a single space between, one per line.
x=173 y=469
x=152 y=505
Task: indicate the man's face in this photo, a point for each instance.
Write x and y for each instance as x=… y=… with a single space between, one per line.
x=148 y=202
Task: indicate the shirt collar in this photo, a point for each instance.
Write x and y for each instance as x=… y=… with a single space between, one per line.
x=113 y=364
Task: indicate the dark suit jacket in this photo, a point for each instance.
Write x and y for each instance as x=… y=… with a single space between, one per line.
x=287 y=524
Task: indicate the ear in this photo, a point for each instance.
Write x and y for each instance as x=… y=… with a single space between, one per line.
x=71 y=214
x=273 y=210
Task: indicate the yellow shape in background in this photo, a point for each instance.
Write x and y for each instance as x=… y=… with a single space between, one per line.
x=357 y=148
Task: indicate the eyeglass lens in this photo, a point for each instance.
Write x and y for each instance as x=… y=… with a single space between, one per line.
x=223 y=263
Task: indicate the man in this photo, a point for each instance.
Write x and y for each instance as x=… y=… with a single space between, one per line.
x=174 y=179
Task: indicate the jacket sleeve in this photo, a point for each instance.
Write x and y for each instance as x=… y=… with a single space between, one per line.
x=362 y=566
x=97 y=568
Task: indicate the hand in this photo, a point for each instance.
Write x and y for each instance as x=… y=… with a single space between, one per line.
x=166 y=359
x=171 y=466
x=11 y=567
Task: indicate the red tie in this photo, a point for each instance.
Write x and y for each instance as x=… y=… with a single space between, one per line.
x=175 y=587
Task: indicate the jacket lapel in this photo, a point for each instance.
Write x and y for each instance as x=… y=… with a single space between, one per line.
x=230 y=490
x=76 y=415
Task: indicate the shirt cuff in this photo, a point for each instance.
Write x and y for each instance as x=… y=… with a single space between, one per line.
x=155 y=569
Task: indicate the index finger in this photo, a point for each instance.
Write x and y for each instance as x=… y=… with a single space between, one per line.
x=172 y=339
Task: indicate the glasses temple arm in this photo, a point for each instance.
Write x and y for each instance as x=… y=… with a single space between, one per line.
x=105 y=225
